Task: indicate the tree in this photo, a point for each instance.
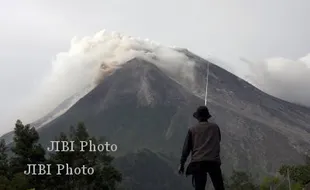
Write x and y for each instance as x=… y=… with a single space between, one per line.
x=20 y=181
x=105 y=175
x=9 y=181
x=241 y=181
x=4 y=164
x=278 y=183
x=298 y=173
x=268 y=182
x=26 y=151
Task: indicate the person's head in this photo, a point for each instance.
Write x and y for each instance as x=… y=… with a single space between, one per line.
x=202 y=114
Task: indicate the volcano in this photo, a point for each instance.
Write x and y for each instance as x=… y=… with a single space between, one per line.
x=140 y=105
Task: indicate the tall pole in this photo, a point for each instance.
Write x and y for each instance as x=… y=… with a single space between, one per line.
x=207 y=83
x=289 y=180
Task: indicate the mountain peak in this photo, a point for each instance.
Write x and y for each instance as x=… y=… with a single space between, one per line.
x=148 y=101
x=141 y=78
x=143 y=103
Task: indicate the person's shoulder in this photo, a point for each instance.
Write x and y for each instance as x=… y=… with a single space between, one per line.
x=193 y=126
x=203 y=125
x=212 y=124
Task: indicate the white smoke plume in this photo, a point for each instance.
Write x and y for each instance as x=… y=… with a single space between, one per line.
x=283 y=78
x=90 y=59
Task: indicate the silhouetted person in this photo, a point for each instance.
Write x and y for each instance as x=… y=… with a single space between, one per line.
x=203 y=142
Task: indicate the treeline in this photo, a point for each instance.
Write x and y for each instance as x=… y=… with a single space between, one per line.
x=26 y=150
x=296 y=177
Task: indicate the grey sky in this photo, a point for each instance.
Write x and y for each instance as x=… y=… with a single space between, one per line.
x=34 y=31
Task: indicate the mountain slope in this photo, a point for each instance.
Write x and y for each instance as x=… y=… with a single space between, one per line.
x=59 y=110
x=141 y=105
x=137 y=104
x=146 y=170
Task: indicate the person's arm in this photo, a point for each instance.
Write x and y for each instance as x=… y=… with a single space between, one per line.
x=187 y=147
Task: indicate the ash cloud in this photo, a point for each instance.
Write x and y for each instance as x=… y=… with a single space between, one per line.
x=90 y=59
x=283 y=78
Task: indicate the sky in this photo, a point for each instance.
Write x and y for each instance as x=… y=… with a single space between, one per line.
x=272 y=35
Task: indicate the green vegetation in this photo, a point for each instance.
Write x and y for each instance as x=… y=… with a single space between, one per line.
x=299 y=177
x=27 y=150
x=142 y=170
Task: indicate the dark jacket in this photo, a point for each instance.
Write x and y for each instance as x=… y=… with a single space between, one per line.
x=203 y=142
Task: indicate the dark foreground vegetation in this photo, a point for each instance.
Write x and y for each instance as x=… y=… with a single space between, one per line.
x=26 y=150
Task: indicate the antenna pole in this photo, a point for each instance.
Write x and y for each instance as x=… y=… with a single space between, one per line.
x=207 y=83
x=289 y=180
